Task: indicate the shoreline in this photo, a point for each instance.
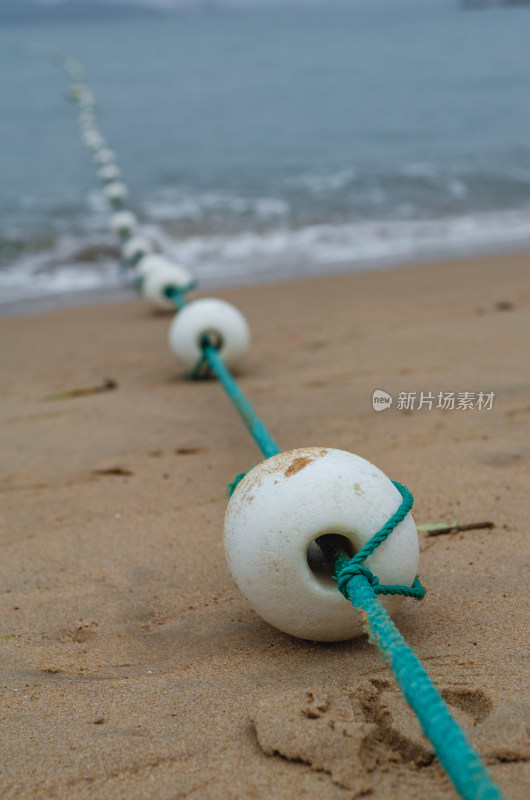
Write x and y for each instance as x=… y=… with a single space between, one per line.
x=132 y=665
x=121 y=294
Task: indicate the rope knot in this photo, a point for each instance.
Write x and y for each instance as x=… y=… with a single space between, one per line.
x=354 y=567
x=351 y=570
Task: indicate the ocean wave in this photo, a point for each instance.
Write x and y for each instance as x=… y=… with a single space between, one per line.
x=71 y=263
x=323 y=183
x=311 y=249
x=92 y=261
x=169 y=204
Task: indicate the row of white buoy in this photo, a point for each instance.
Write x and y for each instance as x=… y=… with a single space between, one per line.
x=296 y=496
x=153 y=272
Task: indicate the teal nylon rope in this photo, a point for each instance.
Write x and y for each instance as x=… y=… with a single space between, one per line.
x=256 y=427
x=179 y=295
x=212 y=360
x=358 y=584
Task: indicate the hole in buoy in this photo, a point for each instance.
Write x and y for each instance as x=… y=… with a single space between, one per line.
x=318 y=562
x=213 y=338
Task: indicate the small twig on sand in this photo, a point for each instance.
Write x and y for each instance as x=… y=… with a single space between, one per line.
x=107 y=386
x=442 y=528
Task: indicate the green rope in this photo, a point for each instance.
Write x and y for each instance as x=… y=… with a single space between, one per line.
x=260 y=434
x=179 y=295
x=211 y=360
x=460 y=761
x=360 y=586
x=230 y=489
x=355 y=567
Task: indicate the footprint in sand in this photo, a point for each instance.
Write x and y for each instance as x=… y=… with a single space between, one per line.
x=354 y=735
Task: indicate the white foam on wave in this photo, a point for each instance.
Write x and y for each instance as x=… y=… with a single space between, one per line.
x=280 y=251
x=312 y=249
x=168 y=205
x=61 y=268
x=323 y=183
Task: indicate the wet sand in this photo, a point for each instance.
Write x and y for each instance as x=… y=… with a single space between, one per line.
x=131 y=665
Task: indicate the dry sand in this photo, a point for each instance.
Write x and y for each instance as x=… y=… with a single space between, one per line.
x=131 y=665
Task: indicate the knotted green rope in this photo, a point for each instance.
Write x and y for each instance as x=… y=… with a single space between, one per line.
x=360 y=586
x=460 y=761
x=355 y=567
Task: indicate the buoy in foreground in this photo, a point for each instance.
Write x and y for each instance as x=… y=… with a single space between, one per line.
x=123 y=223
x=221 y=321
x=278 y=511
x=157 y=281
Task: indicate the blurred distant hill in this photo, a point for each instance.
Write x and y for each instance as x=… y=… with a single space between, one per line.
x=493 y=3
x=33 y=11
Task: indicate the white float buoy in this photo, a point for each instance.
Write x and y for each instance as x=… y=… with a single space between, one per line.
x=152 y=262
x=93 y=139
x=222 y=321
x=116 y=192
x=87 y=120
x=73 y=68
x=87 y=99
x=123 y=223
x=103 y=156
x=108 y=173
x=75 y=91
x=278 y=511
x=157 y=281
x=88 y=126
x=136 y=249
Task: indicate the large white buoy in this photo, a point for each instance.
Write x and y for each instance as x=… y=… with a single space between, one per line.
x=221 y=321
x=278 y=511
x=123 y=223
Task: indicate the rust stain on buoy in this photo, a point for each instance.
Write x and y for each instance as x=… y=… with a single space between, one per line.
x=301 y=462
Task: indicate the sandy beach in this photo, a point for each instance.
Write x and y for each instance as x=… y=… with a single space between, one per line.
x=131 y=666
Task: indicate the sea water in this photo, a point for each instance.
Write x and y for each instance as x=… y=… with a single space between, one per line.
x=271 y=141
